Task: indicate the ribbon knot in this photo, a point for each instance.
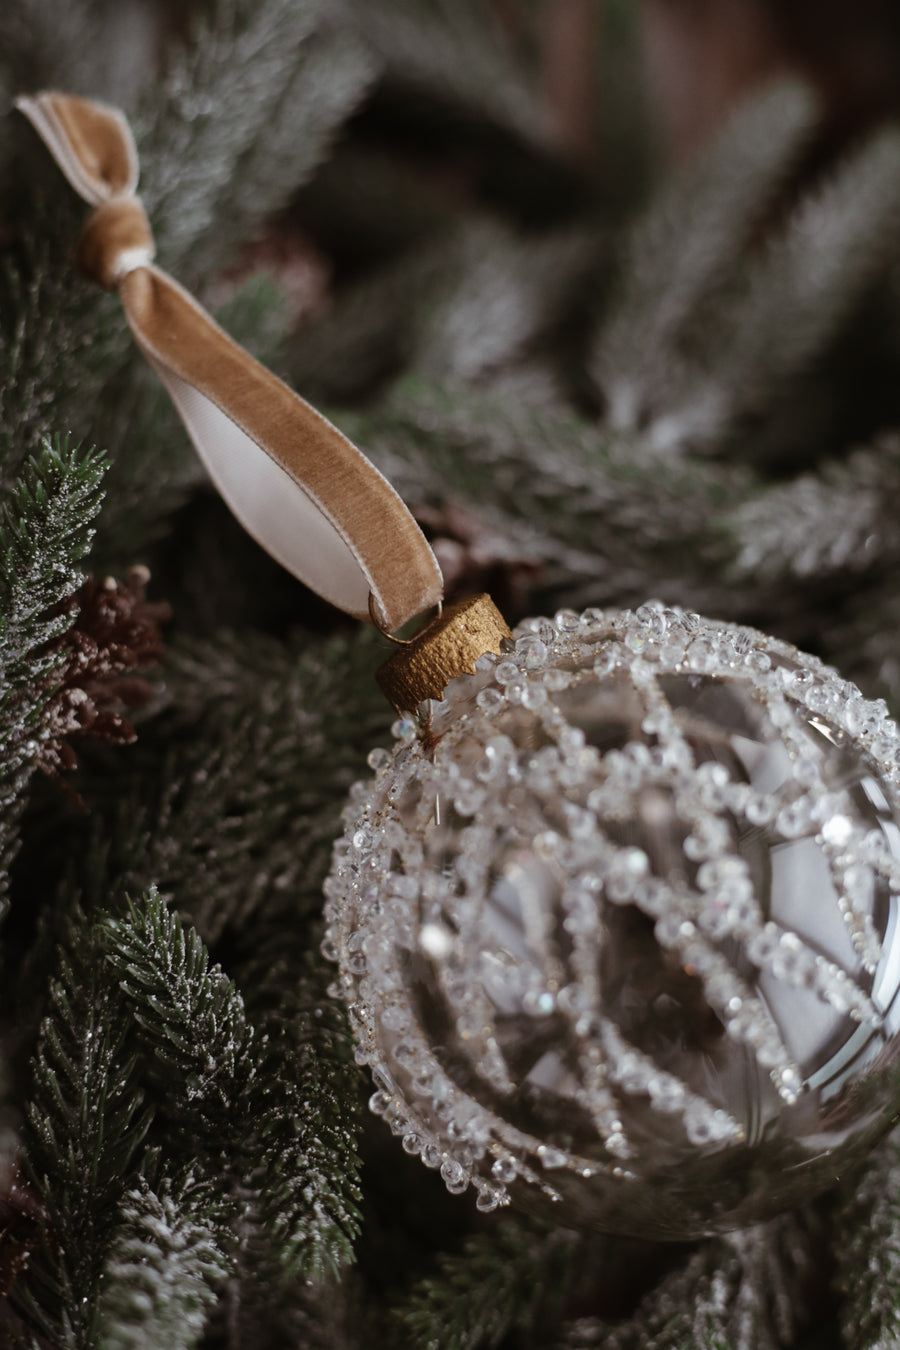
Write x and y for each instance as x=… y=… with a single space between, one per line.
x=116 y=238
x=294 y=482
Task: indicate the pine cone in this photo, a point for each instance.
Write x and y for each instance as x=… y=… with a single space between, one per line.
x=117 y=631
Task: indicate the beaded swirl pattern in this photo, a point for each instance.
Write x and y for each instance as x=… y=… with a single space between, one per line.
x=622 y=896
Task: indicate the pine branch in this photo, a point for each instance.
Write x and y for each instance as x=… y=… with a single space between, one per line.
x=45 y=531
x=457 y=308
x=300 y=1137
x=742 y=1292
x=252 y=671
x=219 y=823
x=191 y=1018
x=454 y=49
x=58 y=344
x=838 y=520
x=46 y=526
x=233 y=811
x=682 y=257
x=500 y=296
x=332 y=75
x=245 y=805
x=500 y=1282
x=367 y=335
x=309 y=1195
x=164 y=1267
x=309 y=1052
x=85 y=1126
x=258 y=1109
x=867 y=1250
x=249 y=110
x=597 y=509
x=800 y=293
x=304 y=1116
x=65 y=355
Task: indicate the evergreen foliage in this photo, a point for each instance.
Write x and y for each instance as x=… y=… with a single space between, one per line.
x=835 y=247
x=868 y=1255
x=588 y=404
x=557 y=483
x=46 y=527
x=844 y=511
x=709 y=354
x=85 y=1122
x=681 y=258
x=743 y=1292
x=163 y=1269
x=223 y=152
x=223 y=1093
x=248 y=718
x=47 y=339
x=191 y=1019
x=309 y=1196
x=498 y=1282
x=482 y=297
x=452 y=51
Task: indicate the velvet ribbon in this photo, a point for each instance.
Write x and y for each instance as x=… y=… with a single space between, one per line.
x=303 y=491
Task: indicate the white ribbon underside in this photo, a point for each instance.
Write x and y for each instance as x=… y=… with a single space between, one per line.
x=270 y=505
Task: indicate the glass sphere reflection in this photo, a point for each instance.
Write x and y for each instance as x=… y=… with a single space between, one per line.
x=617 y=924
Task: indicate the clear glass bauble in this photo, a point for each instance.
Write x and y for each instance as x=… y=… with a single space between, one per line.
x=617 y=924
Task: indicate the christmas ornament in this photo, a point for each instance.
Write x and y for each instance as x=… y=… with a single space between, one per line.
x=616 y=921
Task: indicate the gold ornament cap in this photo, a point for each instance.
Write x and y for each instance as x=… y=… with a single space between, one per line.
x=445 y=649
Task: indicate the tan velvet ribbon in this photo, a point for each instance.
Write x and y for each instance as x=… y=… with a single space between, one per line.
x=304 y=492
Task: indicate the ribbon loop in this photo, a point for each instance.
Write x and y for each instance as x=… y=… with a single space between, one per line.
x=116 y=238
x=91 y=142
x=304 y=492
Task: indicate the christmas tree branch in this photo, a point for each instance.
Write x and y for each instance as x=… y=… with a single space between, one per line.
x=867 y=1249
x=839 y=520
x=56 y=342
x=224 y=1099
x=164 y=1268
x=501 y=1281
x=46 y=527
x=819 y=270
x=683 y=256
x=85 y=1124
x=266 y=761
x=454 y=49
x=501 y=294
x=249 y=110
x=484 y=296
x=600 y=506
x=740 y=1292
x=191 y=1018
